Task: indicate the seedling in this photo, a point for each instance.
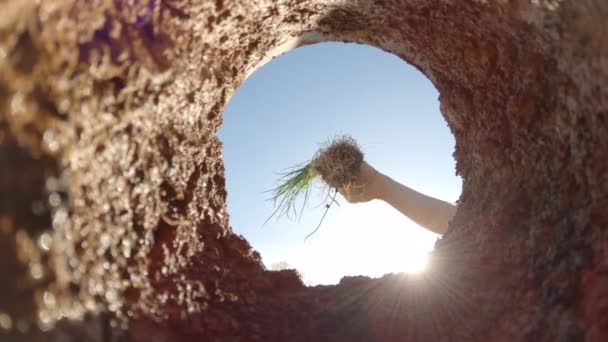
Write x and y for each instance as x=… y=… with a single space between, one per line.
x=336 y=164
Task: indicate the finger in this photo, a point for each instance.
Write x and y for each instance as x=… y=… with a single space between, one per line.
x=346 y=194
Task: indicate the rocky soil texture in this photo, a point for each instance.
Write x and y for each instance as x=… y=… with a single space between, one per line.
x=113 y=201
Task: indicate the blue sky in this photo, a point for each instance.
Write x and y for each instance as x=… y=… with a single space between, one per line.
x=279 y=116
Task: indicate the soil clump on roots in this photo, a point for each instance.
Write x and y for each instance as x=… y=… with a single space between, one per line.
x=338 y=162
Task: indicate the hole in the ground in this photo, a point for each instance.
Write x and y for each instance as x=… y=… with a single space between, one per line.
x=285 y=109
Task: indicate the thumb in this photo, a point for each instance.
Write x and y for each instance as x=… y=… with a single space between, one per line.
x=347 y=193
x=344 y=192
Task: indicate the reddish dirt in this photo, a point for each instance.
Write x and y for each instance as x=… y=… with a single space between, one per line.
x=113 y=206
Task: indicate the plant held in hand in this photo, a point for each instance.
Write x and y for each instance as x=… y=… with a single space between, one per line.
x=337 y=164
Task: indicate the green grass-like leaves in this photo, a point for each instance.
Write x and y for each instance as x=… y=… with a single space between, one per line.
x=336 y=164
x=294 y=183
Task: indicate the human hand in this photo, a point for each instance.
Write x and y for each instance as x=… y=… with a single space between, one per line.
x=363 y=189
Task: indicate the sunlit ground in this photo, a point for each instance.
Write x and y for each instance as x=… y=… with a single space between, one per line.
x=369 y=239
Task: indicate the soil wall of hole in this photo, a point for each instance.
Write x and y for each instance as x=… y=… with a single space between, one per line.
x=113 y=219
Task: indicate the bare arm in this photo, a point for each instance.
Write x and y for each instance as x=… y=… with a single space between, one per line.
x=428 y=212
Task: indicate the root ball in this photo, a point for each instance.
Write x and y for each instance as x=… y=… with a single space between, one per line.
x=339 y=161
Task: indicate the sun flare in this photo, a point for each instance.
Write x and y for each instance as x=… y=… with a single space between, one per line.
x=397 y=245
x=370 y=239
x=415 y=263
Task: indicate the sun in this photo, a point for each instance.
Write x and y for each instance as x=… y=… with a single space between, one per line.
x=412 y=261
x=370 y=239
x=415 y=262
x=390 y=242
